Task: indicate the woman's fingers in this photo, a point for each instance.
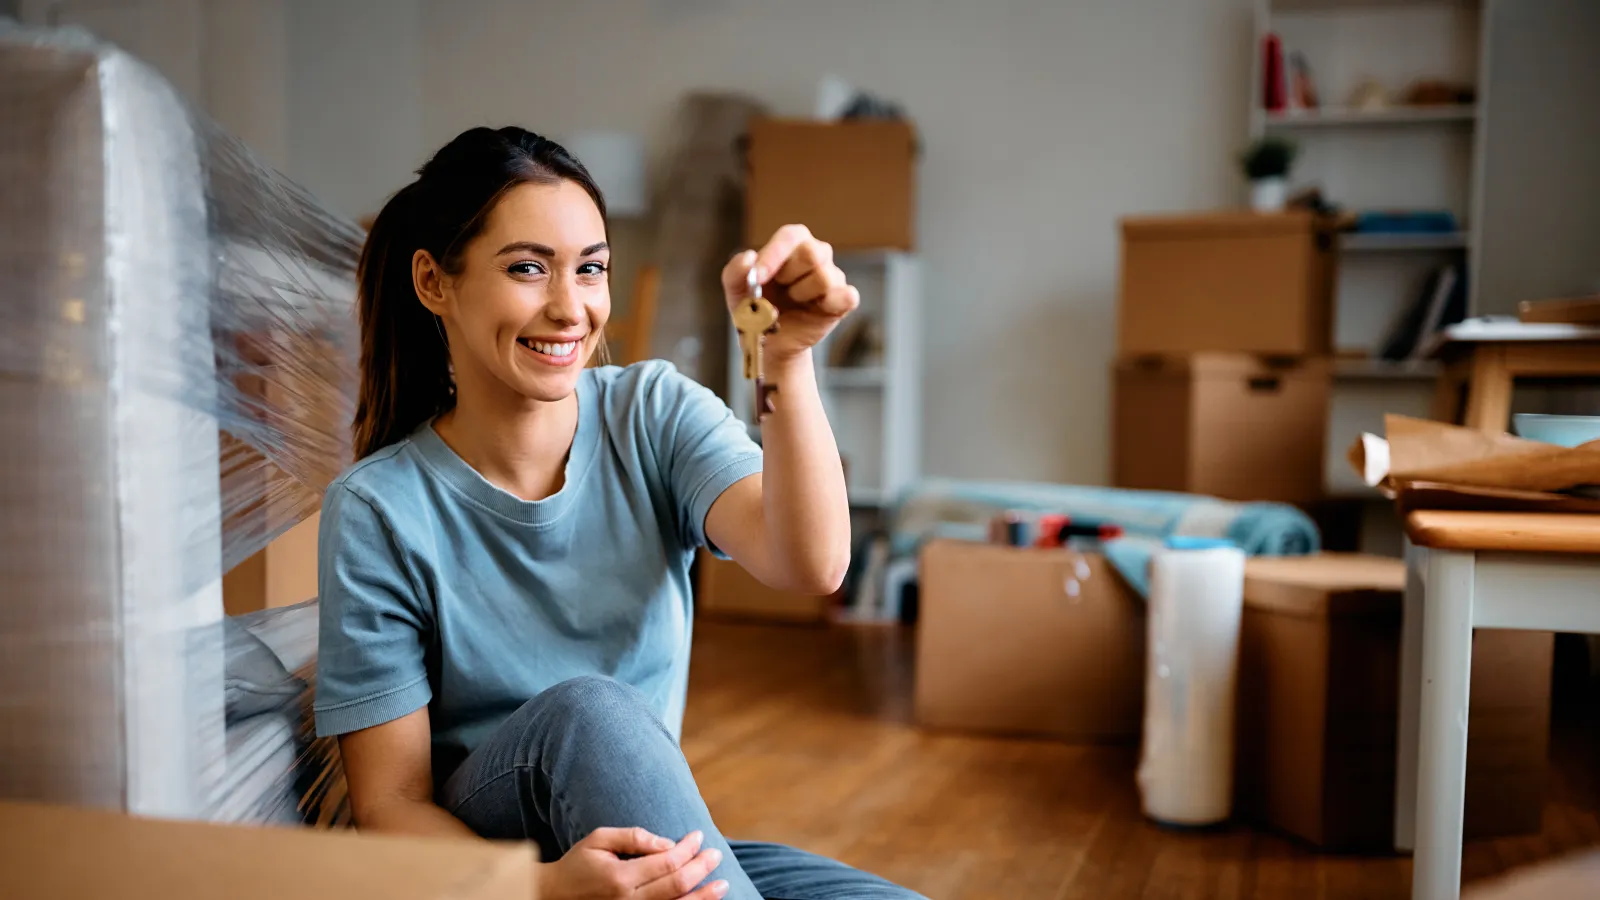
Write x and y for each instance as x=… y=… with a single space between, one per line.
x=840 y=301
x=736 y=274
x=810 y=255
x=772 y=258
x=712 y=891
x=681 y=882
x=816 y=284
x=628 y=841
x=652 y=868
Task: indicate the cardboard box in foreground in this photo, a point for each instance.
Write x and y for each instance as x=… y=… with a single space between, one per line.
x=52 y=852
x=1319 y=682
x=1003 y=646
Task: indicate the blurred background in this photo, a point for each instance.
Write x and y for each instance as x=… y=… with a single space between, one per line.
x=1106 y=249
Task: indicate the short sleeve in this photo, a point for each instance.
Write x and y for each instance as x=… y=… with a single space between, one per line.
x=371 y=623
x=703 y=448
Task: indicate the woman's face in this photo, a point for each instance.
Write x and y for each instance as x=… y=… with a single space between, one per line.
x=527 y=307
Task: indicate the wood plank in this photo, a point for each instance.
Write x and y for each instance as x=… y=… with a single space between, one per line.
x=1505 y=532
x=804 y=736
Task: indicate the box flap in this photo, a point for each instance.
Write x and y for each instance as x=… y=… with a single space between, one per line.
x=58 y=851
x=1225 y=223
x=1326 y=584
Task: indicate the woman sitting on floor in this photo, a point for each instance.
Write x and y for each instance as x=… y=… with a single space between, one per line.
x=504 y=572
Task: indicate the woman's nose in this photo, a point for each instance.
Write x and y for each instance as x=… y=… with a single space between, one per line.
x=563 y=306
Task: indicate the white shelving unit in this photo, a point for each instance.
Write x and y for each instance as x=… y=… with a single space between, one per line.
x=1515 y=166
x=1395 y=157
x=875 y=408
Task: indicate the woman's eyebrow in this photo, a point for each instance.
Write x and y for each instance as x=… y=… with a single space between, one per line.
x=546 y=250
x=526 y=247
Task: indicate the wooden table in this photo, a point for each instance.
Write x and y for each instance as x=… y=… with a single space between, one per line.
x=1483 y=360
x=1466 y=570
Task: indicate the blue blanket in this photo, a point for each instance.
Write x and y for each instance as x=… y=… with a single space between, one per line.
x=962 y=510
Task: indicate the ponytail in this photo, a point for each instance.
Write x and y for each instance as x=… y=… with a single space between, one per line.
x=405 y=364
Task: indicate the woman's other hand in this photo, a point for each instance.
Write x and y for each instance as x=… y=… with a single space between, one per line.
x=797 y=274
x=599 y=868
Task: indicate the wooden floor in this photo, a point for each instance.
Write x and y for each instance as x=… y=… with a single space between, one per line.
x=803 y=736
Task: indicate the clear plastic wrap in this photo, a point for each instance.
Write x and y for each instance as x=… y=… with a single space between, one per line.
x=177 y=375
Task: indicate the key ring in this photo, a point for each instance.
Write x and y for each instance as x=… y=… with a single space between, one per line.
x=754 y=284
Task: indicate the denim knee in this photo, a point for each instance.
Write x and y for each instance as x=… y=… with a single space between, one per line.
x=596 y=706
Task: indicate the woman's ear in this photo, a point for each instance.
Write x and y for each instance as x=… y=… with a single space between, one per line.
x=428 y=279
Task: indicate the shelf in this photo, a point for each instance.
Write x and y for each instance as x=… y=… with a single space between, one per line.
x=1335 y=117
x=845 y=378
x=1388 y=242
x=1384 y=370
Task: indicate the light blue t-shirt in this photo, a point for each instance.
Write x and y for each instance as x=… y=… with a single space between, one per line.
x=438 y=588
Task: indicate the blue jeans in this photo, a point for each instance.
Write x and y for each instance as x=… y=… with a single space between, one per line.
x=589 y=753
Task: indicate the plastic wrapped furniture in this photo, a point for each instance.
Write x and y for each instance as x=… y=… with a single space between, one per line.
x=177 y=359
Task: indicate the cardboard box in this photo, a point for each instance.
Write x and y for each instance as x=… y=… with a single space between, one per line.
x=281 y=574
x=1002 y=646
x=724 y=589
x=852 y=183
x=1230 y=281
x=1318 y=709
x=52 y=852
x=1225 y=425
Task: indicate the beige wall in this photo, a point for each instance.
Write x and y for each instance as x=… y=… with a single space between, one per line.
x=1043 y=121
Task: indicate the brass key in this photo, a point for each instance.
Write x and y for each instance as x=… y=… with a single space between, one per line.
x=755 y=317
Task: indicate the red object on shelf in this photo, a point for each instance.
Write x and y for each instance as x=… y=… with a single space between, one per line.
x=1274 y=79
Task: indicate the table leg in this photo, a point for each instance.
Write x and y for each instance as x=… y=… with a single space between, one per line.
x=1447 y=391
x=1442 y=736
x=1405 y=781
x=1489 y=391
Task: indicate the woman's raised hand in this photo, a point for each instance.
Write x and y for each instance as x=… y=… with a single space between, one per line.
x=797 y=274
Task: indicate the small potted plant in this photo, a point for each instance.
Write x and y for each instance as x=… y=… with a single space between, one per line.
x=1266 y=164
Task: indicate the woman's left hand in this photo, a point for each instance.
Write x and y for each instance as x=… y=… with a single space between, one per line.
x=798 y=275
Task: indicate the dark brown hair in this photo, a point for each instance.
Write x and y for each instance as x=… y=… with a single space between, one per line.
x=405 y=364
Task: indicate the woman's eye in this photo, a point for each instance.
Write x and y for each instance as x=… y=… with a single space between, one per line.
x=592 y=268
x=525 y=268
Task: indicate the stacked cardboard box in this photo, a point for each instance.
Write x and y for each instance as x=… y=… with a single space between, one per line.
x=1221 y=387
x=1222 y=378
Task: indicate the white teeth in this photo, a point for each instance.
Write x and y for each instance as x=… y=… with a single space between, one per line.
x=562 y=349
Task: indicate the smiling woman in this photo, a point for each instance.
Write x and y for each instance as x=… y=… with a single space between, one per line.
x=504 y=572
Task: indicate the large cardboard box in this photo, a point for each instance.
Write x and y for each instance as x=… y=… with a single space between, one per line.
x=1319 y=681
x=1004 y=645
x=56 y=852
x=725 y=590
x=852 y=183
x=1227 y=281
x=1225 y=425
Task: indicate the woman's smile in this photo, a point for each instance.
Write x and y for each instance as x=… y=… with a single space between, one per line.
x=551 y=353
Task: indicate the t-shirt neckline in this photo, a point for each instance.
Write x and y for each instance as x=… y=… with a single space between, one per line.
x=460 y=475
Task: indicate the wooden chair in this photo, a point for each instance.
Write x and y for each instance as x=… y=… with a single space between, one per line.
x=1466 y=570
x=628 y=336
